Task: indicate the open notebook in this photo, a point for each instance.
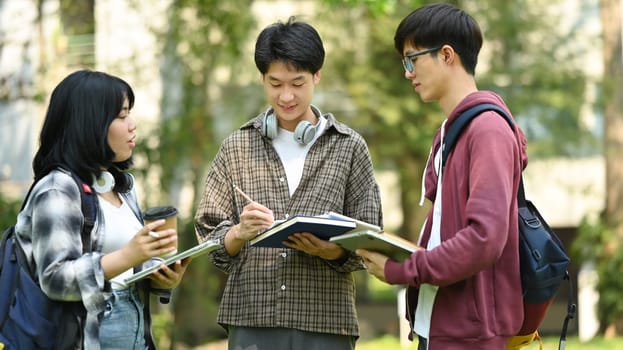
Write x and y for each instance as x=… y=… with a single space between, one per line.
x=195 y=251
x=323 y=226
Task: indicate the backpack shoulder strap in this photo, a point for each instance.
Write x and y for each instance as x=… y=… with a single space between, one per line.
x=458 y=125
x=89 y=211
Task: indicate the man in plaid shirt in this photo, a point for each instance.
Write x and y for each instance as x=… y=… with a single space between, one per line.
x=290 y=159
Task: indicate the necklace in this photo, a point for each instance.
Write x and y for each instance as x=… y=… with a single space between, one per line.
x=104 y=183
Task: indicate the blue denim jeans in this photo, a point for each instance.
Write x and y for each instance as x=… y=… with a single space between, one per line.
x=123 y=323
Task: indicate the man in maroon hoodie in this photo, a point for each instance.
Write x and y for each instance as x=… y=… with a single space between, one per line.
x=464 y=289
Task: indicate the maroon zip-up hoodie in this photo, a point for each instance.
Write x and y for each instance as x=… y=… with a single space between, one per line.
x=479 y=301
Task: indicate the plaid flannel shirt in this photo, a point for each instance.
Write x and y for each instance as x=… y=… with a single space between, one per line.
x=48 y=230
x=280 y=287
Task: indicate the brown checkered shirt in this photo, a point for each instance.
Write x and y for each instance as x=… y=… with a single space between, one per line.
x=279 y=287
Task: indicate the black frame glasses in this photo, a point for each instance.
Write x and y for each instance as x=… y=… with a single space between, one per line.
x=408 y=60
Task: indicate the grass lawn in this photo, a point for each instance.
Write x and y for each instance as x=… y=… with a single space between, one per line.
x=549 y=343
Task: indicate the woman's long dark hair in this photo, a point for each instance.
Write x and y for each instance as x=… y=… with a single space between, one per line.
x=74 y=135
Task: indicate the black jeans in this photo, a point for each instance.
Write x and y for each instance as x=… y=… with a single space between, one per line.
x=422 y=343
x=250 y=338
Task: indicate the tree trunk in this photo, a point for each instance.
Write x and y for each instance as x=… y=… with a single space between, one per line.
x=613 y=113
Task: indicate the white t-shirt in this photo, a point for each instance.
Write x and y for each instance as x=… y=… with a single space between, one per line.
x=292 y=153
x=428 y=292
x=120 y=226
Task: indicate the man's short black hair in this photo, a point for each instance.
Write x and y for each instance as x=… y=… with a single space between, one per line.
x=441 y=24
x=297 y=44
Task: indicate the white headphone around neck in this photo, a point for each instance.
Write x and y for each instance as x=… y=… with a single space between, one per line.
x=104 y=183
x=303 y=134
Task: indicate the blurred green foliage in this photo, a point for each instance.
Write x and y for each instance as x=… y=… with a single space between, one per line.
x=9 y=208
x=597 y=244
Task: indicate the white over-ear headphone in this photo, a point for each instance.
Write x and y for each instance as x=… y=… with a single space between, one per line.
x=104 y=183
x=303 y=134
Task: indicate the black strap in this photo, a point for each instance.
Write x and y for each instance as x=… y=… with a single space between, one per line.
x=89 y=211
x=571 y=310
x=458 y=125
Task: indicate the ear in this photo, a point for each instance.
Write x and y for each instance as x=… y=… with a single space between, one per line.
x=316 y=77
x=448 y=55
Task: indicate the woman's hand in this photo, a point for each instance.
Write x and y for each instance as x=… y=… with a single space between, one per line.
x=149 y=242
x=169 y=277
x=146 y=244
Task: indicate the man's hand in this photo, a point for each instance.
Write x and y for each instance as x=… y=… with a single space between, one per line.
x=253 y=219
x=374 y=263
x=312 y=245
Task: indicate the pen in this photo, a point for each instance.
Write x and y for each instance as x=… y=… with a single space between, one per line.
x=243 y=194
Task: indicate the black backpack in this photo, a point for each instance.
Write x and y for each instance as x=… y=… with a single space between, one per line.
x=542 y=256
x=28 y=318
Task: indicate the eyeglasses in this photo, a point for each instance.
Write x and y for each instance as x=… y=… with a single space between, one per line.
x=409 y=59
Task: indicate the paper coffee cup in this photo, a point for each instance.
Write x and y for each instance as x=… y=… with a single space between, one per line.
x=168 y=213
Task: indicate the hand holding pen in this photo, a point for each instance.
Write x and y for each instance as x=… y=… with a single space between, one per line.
x=254 y=218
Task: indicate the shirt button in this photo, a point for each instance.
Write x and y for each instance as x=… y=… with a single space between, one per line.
x=283 y=255
x=283 y=287
x=282 y=179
